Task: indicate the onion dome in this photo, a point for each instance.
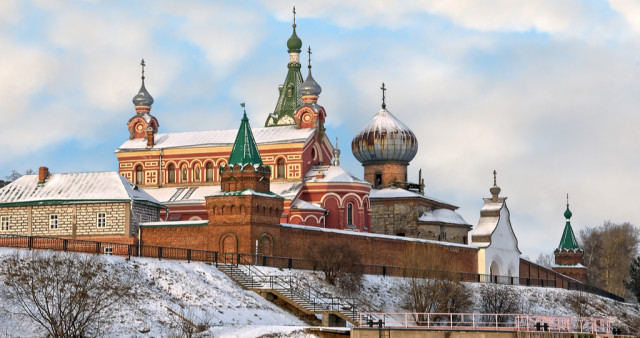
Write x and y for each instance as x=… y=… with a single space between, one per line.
x=143 y=98
x=310 y=87
x=384 y=139
x=568 y=240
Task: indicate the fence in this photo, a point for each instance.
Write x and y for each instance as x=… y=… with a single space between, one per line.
x=486 y=322
x=120 y=249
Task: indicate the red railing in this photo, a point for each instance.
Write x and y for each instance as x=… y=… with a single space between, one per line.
x=485 y=322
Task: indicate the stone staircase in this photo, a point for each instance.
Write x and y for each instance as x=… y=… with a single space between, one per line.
x=299 y=294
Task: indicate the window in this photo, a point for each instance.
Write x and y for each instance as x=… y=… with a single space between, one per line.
x=101 y=220
x=138 y=179
x=349 y=214
x=196 y=173
x=378 y=180
x=172 y=173
x=108 y=250
x=4 y=223
x=53 y=222
x=280 y=168
x=221 y=164
x=185 y=174
x=209 y=177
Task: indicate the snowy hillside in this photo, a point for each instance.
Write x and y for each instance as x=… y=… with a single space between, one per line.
x=196 y=290
x=385 y=294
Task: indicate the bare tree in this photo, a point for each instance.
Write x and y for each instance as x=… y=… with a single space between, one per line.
x=336 y=259
x=545 y=260
x=68 y=295
x=500 y=299
x=609 y=250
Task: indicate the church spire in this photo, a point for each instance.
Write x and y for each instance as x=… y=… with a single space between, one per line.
x=245 y=149
x=143 y=124
x=290 y=97
x=568 y=240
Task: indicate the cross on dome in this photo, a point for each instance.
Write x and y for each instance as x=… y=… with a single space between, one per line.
x=384 y=105
x=309 y=51
x=142 y=64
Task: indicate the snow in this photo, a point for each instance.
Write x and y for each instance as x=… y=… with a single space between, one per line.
x=366 y=234
x=191 y=195
x=331 y=174
x=442 y=215
x=270 y=135
x=246 y=192
x=300 y=204
x=197 y=289
x=577 y=265
x=385 y=294
x=93 y=186
x=174 y=223
x=401 y=193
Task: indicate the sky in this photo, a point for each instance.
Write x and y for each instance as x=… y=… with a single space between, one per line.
x=544 y=92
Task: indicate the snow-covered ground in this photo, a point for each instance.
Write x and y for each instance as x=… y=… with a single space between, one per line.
x=385 y=294
x=207 y=296
x=197 y=290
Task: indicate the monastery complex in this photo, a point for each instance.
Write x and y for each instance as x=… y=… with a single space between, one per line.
x=276 y=190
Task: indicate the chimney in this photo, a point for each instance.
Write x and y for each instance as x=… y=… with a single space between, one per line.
x=150 y=137
x=43 y=173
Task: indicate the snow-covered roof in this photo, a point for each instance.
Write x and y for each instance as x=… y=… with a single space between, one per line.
x=173 y=223
x=331 y=174
x=367 y=234
x=577 y=265
x=107 y=186
x=270 y=135
x=304 y=205
x=489 y=217
x=402 y=193
x=197 y=194
x=247 y=192
x=443 y=216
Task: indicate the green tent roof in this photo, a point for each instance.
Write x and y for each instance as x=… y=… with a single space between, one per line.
x=568 y=241
x=245 y=150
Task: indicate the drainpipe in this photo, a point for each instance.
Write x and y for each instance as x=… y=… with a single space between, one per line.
x=166 y=216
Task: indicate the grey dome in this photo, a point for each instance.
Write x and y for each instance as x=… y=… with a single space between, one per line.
x=143 y=98
x=310 y=87
x=384 y=139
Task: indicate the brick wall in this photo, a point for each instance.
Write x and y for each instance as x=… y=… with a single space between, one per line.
x=293 y=242
x=391 y=173
x=18 y=220
x=532 y=270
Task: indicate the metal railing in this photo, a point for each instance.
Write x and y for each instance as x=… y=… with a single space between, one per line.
x=487 y=322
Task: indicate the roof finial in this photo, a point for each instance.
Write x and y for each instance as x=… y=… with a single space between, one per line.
x=245 y=111
x=294 y=16
x=567 y=200
x=494 y=178
x=384 y=105
x=336 y=155
x=495 y=190
x=142 y=64
x=309 y=51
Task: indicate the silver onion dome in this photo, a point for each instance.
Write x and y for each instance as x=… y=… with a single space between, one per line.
x=143 y=98
x=384 y=139
x=310 y=87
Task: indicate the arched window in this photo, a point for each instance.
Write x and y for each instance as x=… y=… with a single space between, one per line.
x=280 y=168
x=349 y=214
x=196 y=173
x=172 y=173
x=209 y=177
x=138 y=179
x=185 y=173
x=221 y=164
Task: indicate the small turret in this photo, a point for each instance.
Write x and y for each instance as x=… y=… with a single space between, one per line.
x=569 y=257
x=143 y=124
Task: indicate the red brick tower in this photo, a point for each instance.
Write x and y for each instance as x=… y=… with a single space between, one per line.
x=568 y=256
x=245 y=215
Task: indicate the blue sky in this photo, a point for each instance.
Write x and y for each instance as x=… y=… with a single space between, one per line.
x=544 y=92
